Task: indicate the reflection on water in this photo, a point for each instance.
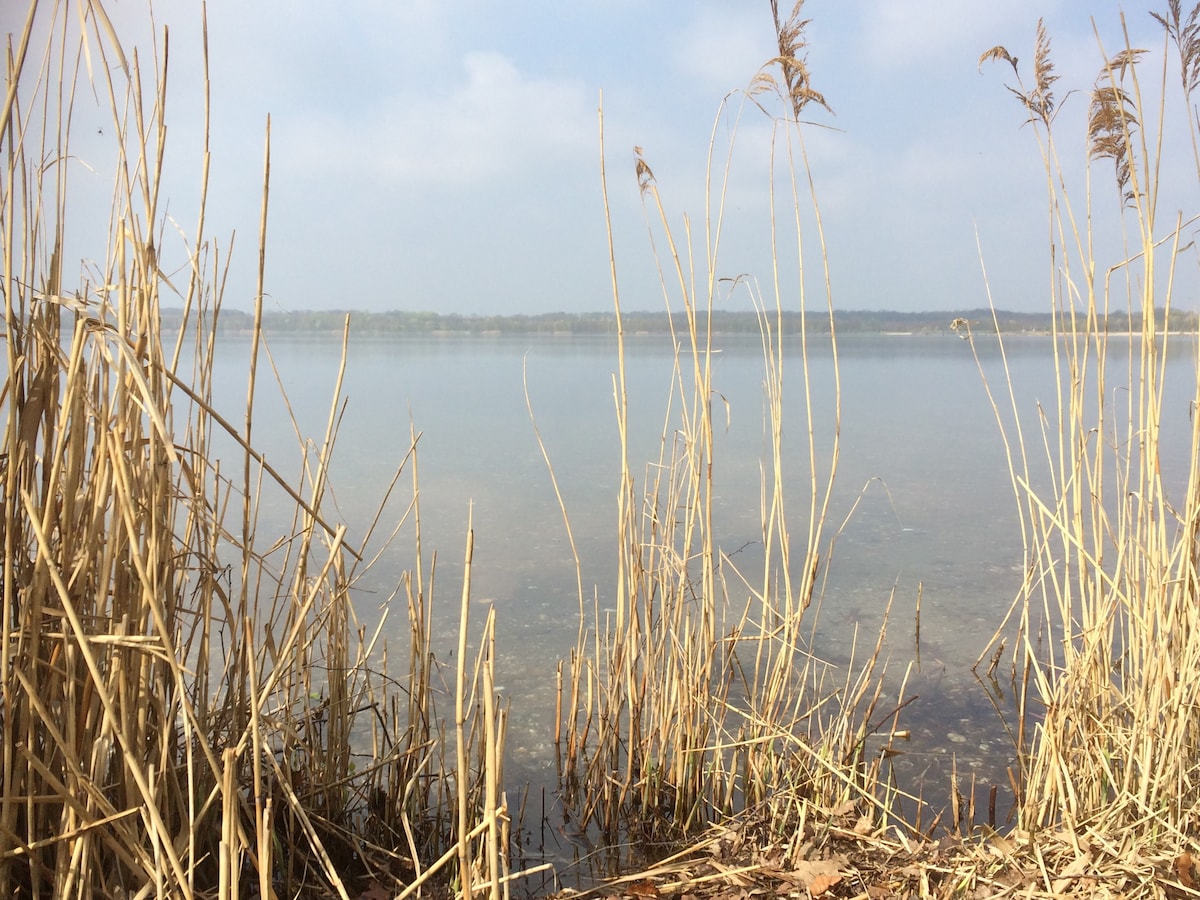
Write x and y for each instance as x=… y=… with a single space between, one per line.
x=922 y=465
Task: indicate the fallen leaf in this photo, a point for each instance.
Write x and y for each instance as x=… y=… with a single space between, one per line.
x=1184 y=868
x=1071 y=873
x=376 y=892
x=807 y=872
x=823 y=883
x=643 y=888
x=1001 y=846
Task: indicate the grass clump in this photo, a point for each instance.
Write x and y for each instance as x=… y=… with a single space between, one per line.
x=186 y=709
x=1108 y=639
x=697 y=697
x=683 y=679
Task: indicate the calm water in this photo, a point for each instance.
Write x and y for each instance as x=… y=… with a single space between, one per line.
x=920 y=444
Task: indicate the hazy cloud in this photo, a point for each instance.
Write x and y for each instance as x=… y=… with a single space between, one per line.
x=906 y=33
x=403 y=133
x=722 y=48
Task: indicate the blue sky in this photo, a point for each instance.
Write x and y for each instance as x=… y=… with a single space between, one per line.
x=445 y=157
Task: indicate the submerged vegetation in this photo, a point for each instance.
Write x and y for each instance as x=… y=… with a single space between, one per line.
x=187 y=711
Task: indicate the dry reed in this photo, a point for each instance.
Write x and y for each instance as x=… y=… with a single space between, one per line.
x=697 y=698
x=1107 y=635
x=1104 y=635
x=187 y=711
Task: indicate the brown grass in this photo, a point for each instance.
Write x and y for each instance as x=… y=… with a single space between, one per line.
x=186 y=710
x=698 y=698
x=1106 y=620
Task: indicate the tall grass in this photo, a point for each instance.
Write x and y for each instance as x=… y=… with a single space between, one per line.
x=186 y=708
x=1107 y=619
x=697 y=697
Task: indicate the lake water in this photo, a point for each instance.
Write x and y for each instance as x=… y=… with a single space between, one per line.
x=920 y=444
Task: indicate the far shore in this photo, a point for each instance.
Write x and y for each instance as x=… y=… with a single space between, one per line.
x=845 y=322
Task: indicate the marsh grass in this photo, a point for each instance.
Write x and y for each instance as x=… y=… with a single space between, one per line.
x=186 y=709
x=1107 y=636
x=697 y=697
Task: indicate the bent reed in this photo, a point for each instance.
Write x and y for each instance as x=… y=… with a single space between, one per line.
x=185 y=710
x=188 y=711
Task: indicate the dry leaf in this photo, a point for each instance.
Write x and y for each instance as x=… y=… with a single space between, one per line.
x=643 y=888
x=1001 y=846
x=1184 y=868
x=823 y=883
x=1071 y=873
x=864 y=825
x=772 y=856
x=807 y=873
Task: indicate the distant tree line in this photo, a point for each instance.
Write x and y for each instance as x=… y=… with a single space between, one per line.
x=397 y=322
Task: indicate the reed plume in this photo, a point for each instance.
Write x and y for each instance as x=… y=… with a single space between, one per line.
x=1184 y=32
x=1112 y=121
x=1107 y=614
x=698 y=697
x=792 y=60
x=1038 y=100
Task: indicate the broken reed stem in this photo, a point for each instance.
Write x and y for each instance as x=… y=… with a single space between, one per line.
x=491 y=757
x=262 y=810
x=230 y=855
x=917 y=623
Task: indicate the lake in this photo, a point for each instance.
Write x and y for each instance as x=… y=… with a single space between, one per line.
x=922 y=465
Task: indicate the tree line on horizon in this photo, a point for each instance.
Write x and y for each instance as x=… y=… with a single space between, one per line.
x=401 y=322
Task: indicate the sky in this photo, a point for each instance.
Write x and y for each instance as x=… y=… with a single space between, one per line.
x=447 y=157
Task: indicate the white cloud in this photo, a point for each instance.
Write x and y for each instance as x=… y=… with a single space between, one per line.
x=904 y=33
x=490 y=122
x=723 y=47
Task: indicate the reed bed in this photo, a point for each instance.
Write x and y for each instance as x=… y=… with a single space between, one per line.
x=187 y=708
x=190 y=709
x=698 y=696
x=687 y=706
x=1105 y=634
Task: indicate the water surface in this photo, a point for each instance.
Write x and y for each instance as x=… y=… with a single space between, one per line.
x=922 y=464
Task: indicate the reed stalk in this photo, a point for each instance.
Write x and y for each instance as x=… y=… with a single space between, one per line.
x=188 y=709
x=699 y=698
x=1106 y=620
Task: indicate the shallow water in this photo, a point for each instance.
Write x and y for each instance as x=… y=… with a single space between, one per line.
x=921 y=454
